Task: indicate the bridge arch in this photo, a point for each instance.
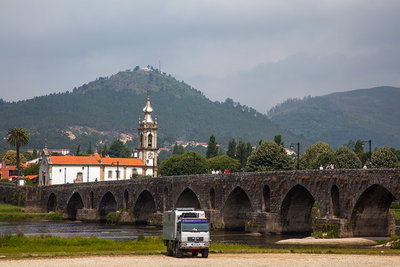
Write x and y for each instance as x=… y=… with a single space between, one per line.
x=296 y=210
x=74 y=204
x=107 y=204
x=370 y=213
x=335 y=204
x=234 y=212
x=145 y=206
x=266 y=199
x=126 y=199
x=52 y=203
x=91 y=200
x=212 y=198
x=188 y=199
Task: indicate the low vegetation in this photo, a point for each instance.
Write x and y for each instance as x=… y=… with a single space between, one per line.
x=20 y=246
x=10 y=212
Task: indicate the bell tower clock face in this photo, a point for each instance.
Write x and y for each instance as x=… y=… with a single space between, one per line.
x=150 y=155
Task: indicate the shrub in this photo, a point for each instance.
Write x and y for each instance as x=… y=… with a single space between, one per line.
x=383 y=157
x=269 y=156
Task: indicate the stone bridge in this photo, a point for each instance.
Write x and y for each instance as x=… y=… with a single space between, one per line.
x=355 y=201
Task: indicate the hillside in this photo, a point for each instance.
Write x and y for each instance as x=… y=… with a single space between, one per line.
x=339 y=117
x=108 y=108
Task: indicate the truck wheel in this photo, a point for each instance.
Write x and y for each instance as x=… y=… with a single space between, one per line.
x=178 y=251
x=195 y=253
x=170 y=251
x=204 y=253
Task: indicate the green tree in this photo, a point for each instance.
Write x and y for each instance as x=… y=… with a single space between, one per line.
x=351 y=145
x=89 y=151
x=241 y=154
x=17 y=137
x=32 y=169
x=78 y=150
x=269 y=156
x=249 y=149
x=212 y=149
x=359 y=147
x=314 y=157
x=27 y=155
x=183 y=165
x=178 y=149
x=324 y=159
x=10 y=158
x=346 y=158
x=397 y=153
x=278 y=140
x=35 y=154
x=224 y=163
x=231 y=149
x=119 y=150
x=383 y=157
x=104 y=151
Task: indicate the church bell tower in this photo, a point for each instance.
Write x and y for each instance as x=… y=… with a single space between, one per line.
x=147 y=140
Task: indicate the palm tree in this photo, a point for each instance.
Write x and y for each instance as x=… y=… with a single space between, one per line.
x=17 y=137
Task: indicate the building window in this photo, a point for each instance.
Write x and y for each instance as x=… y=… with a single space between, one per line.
x=134 y=171
x=150 y=140
x=109 y=174
x=79 y=177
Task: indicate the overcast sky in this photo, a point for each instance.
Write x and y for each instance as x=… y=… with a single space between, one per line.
x=256 y=52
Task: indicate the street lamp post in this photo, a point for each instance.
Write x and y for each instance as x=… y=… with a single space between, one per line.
x=369 y=152
x=65 y=175
x=298 y=153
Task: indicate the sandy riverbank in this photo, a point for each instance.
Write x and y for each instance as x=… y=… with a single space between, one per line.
x=228 y=260
x=352 y=241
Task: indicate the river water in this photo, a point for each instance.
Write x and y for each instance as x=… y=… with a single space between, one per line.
x=124 y=232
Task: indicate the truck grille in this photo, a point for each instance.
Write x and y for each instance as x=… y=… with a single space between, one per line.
x=195 y=239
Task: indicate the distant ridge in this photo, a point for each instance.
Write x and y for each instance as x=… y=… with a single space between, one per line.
x=339 y=117
x=108 y=108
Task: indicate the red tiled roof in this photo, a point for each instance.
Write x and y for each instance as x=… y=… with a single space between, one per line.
x=74 y=160
x=123 y=161
x=13 y=167
x=95 y=160
x=31 y=176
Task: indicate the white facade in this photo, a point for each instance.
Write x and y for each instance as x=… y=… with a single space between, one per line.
x=67 y=174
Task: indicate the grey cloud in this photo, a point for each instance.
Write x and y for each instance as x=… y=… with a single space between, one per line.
x=259 y=53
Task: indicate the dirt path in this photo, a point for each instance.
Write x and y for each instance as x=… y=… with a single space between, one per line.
x=229 y=260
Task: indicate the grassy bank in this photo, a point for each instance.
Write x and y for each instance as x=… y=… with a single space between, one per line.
x=10 y=212
x=20 y=246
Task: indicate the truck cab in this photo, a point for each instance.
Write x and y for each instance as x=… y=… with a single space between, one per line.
x=186 y=230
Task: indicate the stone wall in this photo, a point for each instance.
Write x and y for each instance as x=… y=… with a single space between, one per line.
x=268 y=202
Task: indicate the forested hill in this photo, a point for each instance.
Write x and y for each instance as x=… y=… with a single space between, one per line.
x=108 y=108
x=339 y=117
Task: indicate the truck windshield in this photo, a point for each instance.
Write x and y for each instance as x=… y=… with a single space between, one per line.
x=195 y=226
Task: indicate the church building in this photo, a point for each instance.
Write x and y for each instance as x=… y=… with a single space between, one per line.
x=93 y=168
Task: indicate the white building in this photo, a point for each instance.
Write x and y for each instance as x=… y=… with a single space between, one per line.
x=82 y=169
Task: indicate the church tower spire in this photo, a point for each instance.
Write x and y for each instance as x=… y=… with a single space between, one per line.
x=147 y=140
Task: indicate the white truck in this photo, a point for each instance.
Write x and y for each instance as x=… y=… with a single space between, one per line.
x=186 y=230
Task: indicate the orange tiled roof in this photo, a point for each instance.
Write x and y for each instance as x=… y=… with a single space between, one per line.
x=31 y=176
x=74 y=160
x=13 y=167
x=123 y=161
x=95 y=160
